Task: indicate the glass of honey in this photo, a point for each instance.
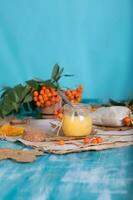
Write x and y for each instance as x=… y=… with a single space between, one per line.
x=76 y=120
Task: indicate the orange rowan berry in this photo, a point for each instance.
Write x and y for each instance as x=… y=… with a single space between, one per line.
x=42 y=101
x=77 y=95
x=78 y=99
x=45 y=98
x=49 y=94
x=60 y=115
x=40 y=97
x=99 y=139
x=55 y=93
x=72 y=101
x=35 y=98
x=35 y=93
x=86 y=140
x=55 y=112
x=61 y=142
x=44 y=95
x=68 y=93
x=48 y=103
x=42 y=92
x=47 y=91
x=94 y=141
x=73 y=92
x=127 y=121
x=43 y=87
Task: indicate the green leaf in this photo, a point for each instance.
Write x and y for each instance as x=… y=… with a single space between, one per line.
x=27 y=99
x=33 y=106
x=34 y=84
x=50 y=84
x=15 y=106
x=26 y=107
x=61 y=70
x=5 y=90
x=58 y=76
x=130 y=102
x=116 y=103
x=26 y=91
x=6 y=109
x=68 y=75
x=17 y=92
x=55 y=71
x=58 y=86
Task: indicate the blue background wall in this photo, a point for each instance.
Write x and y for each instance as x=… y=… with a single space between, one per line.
x=90 y=38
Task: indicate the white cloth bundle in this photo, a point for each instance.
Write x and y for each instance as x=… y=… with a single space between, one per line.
x=110 y=116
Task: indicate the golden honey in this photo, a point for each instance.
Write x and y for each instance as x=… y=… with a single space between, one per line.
x=76 y=120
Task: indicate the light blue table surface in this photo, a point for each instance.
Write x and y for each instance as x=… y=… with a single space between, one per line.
x=103 y=175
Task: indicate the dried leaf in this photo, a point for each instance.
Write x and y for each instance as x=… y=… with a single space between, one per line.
x=19 y=155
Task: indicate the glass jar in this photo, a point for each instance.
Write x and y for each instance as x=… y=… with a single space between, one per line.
x=76 y=120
